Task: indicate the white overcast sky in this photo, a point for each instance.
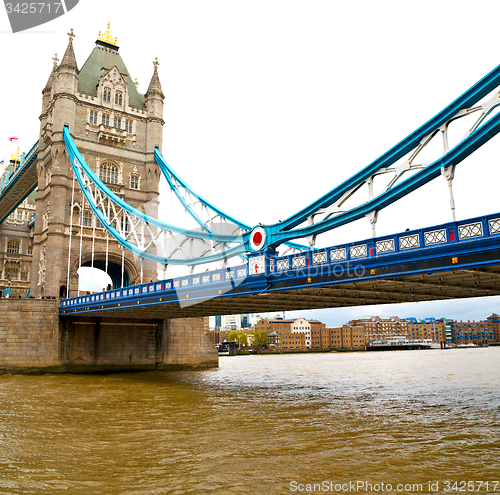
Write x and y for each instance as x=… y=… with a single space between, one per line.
x=270 y=104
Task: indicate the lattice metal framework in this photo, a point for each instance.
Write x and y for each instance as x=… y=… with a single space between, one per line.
x=395 y=174
x=402 y=169
x=144 y=235
x=218 y=237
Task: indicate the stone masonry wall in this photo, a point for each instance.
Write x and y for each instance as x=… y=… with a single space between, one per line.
x=184 y=341
x=34 y=339
x=29 y=333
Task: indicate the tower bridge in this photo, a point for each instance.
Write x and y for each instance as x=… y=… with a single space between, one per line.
x=97 y=166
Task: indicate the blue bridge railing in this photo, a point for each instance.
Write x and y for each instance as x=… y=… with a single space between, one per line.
x=419 y=242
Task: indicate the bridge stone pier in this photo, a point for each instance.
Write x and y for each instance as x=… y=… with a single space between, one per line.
x=33 y=339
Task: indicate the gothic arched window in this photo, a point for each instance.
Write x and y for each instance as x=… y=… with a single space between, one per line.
x=108 y=172
x=13 y=247
x=107 y=95
x=118 y=98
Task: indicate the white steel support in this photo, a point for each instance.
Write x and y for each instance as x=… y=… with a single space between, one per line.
x=70 y=232
x=81 y=240
x=123 y=264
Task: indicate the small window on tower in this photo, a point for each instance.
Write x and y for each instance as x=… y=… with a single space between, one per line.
x=118 y=123
x=93 y=117
x=13 y=247
x=87 y=218
x=134 y=182
x=11 y=273
x=128 y=125
x=105 y=119
x=118 y=98
x=107 y=95
x=108 y=173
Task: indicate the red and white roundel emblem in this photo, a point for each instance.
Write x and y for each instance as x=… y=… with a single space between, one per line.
x=258 y=238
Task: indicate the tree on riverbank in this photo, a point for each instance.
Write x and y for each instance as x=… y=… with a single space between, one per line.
x=239 y=337
x=260 y=339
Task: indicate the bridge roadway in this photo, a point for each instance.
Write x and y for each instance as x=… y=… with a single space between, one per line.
x=454 y=260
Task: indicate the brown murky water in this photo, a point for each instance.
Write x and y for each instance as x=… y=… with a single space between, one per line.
x=260 y=425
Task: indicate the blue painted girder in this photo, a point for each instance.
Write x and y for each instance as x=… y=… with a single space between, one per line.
x=168 y=172
x=277 y=235
x=282 y=231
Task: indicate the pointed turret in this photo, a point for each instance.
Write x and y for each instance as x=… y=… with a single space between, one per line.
x=52 y=76
x=47 y=91
x=69 y=59
x=155 y=85
x=154 y=105
x=65 y=83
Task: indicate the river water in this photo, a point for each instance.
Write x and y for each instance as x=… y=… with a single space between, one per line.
x=260 y=425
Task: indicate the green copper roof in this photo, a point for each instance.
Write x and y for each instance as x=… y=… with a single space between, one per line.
x=90 y=73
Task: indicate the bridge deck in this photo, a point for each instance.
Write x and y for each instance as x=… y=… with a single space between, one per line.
x=455 y=260
x=19 y=185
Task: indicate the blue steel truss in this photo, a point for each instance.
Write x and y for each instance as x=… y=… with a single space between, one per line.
x=329 y=206
x=205 y=213
x=471 y=243
x=138 y=232
x=220 y=236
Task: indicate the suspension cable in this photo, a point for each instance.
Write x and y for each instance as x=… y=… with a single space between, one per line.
x=123 y=262
x=70 y=231
x=94 y=220
x=81 y=239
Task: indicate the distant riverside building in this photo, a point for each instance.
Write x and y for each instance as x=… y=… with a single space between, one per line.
x=298 y=325
x=494 y=324
x=217 y=336
x=447 y=325
x=232 y=322
x=377 y=328
x=292 y=341
x=246 y=321
x=303 y=334
x=472 y=332
x=218 y=322
x=427 y=328
x=346 y=337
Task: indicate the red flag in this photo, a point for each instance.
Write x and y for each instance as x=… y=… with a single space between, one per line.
x=1 y=162
x=13 y=138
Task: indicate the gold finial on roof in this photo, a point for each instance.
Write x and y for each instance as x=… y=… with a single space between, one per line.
x=107 y=38
x=16 y=157
x=55 y=59
x=156 y=63
x=71 y=34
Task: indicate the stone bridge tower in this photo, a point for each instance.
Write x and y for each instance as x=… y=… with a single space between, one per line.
x=116 y=130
